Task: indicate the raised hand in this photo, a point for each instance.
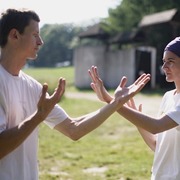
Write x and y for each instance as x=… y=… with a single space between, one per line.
x=123 y=94
x=46 y=103
x=98 y=86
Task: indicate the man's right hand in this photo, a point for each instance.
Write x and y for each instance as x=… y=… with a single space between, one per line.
x=46 y=103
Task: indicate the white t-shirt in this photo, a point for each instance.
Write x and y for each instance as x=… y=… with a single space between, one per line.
x=19 y=96
x=166 y=164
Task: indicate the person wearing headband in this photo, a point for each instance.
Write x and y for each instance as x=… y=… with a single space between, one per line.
x=161 y=134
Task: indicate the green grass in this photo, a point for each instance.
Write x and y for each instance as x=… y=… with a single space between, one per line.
x=51 y=76
x=115 y=147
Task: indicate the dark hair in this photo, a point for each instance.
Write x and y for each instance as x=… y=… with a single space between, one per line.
x=13 y=18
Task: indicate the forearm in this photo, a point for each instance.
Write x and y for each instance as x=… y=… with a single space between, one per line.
x=140 y=120
x=82 y=126
x=149 y=138
x=10 y=139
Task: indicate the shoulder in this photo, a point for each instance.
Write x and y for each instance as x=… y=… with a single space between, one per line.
x=29 y=79
x=169 y=93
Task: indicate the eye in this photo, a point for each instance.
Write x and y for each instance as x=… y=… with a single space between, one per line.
x=171 y=61
x=164 y=61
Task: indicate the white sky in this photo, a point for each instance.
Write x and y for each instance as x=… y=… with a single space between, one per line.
x=64 y=11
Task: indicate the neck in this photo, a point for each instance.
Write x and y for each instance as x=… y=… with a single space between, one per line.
x=12 y=64
x=177 y=85
x=12 y=61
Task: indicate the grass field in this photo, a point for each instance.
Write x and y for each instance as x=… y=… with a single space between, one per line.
x=114 y=151
x=51 y=76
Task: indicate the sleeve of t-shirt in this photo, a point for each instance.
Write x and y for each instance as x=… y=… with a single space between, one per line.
x=174 y=114
x=56 y=116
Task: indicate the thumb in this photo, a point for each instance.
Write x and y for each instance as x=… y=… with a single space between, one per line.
x=123 y=82
x=140 y=107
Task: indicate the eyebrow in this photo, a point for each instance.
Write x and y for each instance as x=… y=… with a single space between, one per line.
x=169 y=59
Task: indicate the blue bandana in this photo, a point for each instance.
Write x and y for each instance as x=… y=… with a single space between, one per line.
x=174 y=46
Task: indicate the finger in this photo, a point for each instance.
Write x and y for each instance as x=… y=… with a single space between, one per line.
x=59 y=91
x=96 y=74
x=43 y=94
x=123 y=82
x=44 y=90
x=144 y=78
x=132 y=102
x=134 y=105
x=140 y=78
x=140 y=87
x=96 y=71
x=93 y=87
x=140 y=83
x=61 y=85
x=140 y=108
x=128 y=103
x=92 y=74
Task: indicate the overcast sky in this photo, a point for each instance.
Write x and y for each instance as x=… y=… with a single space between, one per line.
x=64 y=11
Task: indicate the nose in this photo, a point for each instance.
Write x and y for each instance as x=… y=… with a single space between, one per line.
x=40 y=41
x=165 y=65
x=164 y=68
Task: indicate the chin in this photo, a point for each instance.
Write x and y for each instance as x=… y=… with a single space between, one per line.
x=33 y=57
x=169 y=80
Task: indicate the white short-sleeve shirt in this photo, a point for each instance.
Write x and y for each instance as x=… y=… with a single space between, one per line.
x=19 y=96
x=166 y=165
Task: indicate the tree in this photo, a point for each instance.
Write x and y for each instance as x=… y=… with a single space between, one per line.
x=59 y=41
x=128 y=13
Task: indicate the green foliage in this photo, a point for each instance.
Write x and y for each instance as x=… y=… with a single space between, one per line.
x=59 y=41
x=128 y=13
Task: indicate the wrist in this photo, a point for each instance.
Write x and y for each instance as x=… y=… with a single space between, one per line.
x=114 y=103
x=109 y=100
x=39 y=116
x=120 y=103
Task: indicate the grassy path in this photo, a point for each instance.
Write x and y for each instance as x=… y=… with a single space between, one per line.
x=150 y=103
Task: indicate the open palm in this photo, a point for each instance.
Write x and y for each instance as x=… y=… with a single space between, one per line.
x=122 y=93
